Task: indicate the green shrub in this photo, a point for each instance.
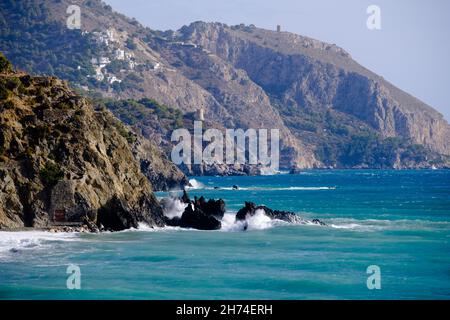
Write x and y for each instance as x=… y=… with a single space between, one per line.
x=5 y=65
x=13 y=83
x=26 y=80
x=126 y=134
x=130 y=44
x=4 y=92
x=51 y=174
x=8 y=105
x=63 y=106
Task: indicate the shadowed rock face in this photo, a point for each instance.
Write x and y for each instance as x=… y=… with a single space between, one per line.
x=195 y=217
x=116 y=215
x=157 y=168
x=63 y=162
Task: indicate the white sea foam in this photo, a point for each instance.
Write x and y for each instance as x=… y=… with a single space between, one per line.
x=383 y=224
x=194 y=184
x=268 y=171
x=173 y=208
x=30 y=240
x=259 y=221
x=276 y=188
x=346 y=226
x=299 y=188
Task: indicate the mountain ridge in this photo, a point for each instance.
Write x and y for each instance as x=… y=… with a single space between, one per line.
x=217 y=36
x=331 y=111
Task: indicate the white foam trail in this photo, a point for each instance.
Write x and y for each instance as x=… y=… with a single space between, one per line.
x=346 y=226
x=380 y=224
x=278 y=188
x=195 y=184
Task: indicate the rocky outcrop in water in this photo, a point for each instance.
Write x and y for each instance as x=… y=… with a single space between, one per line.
x=250 y=209
x=207 y=215
x=200 y=214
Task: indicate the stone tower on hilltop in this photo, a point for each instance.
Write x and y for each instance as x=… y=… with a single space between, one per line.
x=201 y=114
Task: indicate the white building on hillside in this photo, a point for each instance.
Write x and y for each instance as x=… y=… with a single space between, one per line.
x=112 y=78
x=119 y=54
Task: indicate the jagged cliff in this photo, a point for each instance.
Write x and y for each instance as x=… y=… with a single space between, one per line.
x=63 y=161
x=331 y=111
x=304 y=73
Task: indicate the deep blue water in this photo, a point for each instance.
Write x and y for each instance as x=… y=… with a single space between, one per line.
x=397 y=220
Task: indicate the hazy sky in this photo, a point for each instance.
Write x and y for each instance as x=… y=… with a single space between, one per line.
x=412 y=49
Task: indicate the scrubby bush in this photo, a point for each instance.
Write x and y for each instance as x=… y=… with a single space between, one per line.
x=5 y=65
x=51 y=174
x=4 y=92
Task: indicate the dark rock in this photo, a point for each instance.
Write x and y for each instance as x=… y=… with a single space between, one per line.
x=250 y=209
x=215 y=208
x=317 y=221
x=185 y=197
x=174 y=222
x=117 y=216
x=287 y=216
x=91 y=226
x=199 y=214
x=235 y=187
x=295 y=170
x=194 y=217
x=247 y=211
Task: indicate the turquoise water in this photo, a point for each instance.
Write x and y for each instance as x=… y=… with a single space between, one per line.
x=397 y=220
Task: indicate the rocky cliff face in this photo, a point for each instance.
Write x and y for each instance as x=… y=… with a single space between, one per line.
x=331 y=111
x=62 y=161
x=306 y=73
x=159 y=170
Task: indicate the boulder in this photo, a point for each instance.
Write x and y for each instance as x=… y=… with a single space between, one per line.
x=199 y=214
x=250 y=209
x=185 y=198
x=116 y=215
x=194 y=217
x=215 y=208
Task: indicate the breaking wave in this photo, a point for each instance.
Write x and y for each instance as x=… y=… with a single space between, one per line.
x=259 y=221
x=16 y=241
x=194 y=184
x=173 y=208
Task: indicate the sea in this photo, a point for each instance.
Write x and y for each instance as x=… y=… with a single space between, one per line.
x=387 y=236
